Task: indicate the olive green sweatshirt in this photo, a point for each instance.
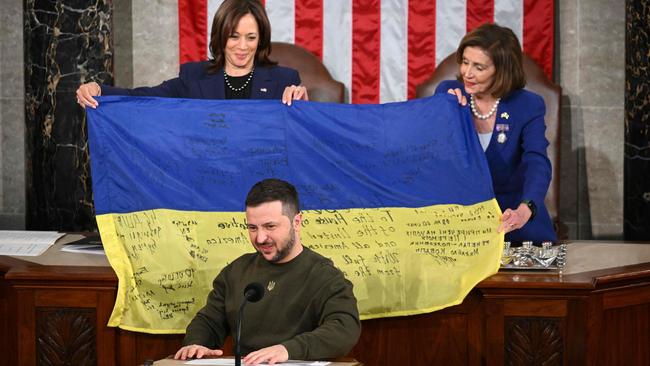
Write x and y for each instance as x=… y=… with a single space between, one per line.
x=308 y=306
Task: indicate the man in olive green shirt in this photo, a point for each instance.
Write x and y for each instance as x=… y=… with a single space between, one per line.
x=308 y=311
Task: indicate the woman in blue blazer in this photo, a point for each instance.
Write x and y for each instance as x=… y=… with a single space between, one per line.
x=240 y=68
x=510 y=125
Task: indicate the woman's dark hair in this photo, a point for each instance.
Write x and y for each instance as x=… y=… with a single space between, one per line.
x=270 y=190
x=503 y=48
x=224 y=24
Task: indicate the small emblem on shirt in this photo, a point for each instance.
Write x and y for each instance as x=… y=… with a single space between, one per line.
x=505 y=115
x=263 y=90
x=270 y=286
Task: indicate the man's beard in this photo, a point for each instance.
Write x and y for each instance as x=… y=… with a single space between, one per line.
x=283 y=251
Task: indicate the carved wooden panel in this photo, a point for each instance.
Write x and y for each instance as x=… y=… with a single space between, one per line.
x=533 y=341
x=66 y=336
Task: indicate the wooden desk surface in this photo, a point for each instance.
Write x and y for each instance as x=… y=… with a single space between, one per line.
x=581 y=315
x=171 y=362
x=589 y=263
x=53 y=256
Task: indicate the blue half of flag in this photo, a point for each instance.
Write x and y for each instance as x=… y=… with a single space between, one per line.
x=204 y=155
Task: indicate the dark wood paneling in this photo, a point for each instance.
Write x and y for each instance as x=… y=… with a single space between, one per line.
x=135 y=348
x=432 y=339
x=494 y=336
x=594 y=339
x=25 y=327
x=107 y=353
x=575 y=340
x=631 y=295
x=626 y=340
x=554 y=308
x=4 y=316
x=591 y=318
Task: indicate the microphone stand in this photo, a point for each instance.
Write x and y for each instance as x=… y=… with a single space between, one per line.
x=252 y=293
x=238 y=334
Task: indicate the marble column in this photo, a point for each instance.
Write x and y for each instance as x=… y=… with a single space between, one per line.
x=591 y=39
x=66 y=43
x=637 y=121
x=12 y=119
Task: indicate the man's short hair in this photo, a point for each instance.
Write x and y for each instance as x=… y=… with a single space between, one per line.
x=269 y=190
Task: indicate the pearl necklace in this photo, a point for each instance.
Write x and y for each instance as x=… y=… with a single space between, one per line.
x=225 y=77
x=482 y=116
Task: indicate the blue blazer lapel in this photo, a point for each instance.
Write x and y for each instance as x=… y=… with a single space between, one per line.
x=499 y=122
x=212 y=87
x=263 y=86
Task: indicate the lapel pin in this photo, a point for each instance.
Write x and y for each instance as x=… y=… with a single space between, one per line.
x=505 y=115
x=263 y=90
x=502 y=128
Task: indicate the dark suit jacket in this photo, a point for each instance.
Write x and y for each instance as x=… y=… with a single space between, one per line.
x=519 y=166
x=195 y=83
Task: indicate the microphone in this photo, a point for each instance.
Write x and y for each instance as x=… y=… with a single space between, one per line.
x=253 y=292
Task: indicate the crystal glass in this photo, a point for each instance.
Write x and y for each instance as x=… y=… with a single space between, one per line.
x=546 y=254
x=529 y=256
x=561 y=257
x=506 y=256
x=524 y=255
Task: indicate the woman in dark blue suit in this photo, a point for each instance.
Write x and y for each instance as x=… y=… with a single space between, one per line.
x=510 y=125
x=240 y=68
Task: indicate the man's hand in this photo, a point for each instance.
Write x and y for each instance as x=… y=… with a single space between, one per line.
x=196 y=351
x=271 y=355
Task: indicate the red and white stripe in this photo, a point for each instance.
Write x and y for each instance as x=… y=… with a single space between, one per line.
x=381 y=49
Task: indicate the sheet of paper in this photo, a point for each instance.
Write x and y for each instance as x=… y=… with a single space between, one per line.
x=83 y=248
x=27 y=243
x=231 y=362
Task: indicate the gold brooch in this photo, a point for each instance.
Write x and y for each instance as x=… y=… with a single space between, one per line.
x=271 y=285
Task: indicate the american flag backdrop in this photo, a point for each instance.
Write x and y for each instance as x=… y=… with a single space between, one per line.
x=381 y=49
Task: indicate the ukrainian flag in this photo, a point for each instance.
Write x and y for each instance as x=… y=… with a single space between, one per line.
x=398 y=195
